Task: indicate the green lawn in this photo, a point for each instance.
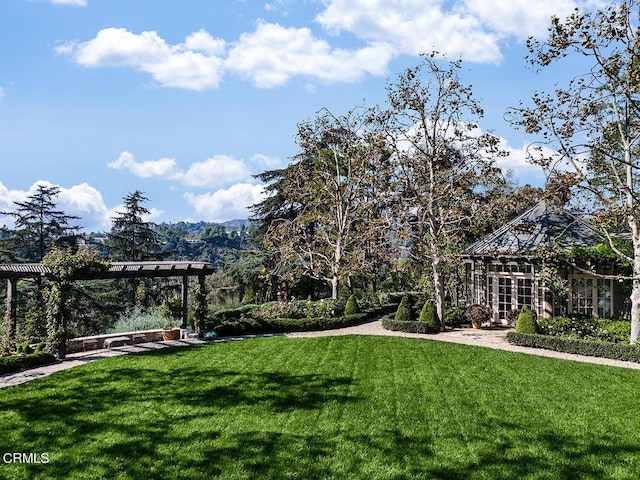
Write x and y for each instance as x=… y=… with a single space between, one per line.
x=332 y=407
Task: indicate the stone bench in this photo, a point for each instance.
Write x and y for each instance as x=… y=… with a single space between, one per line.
x=117 y=342
x=90 y=344
x=139 y=338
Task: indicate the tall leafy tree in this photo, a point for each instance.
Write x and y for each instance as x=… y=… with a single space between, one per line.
x=444 y=165
x=132 y=237
x=38 y=225
x=589 y=128
x=326 y=214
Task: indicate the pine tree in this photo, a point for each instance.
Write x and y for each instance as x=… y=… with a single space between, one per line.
x=132 y=238
x=38 y=225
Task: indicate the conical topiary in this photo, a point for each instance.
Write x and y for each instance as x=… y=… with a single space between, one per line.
x=352 y=307
x=403 y=314
x=429 y=316
x=526 y=322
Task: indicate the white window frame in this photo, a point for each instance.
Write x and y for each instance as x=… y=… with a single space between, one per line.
x=595 y=294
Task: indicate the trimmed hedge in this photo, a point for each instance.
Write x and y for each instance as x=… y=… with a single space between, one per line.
x=15 y=363
x=230 y=314
x=408 y=326
x=614 y=351
x=252 y=326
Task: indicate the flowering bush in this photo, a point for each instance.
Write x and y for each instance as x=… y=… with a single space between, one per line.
x=586 y=328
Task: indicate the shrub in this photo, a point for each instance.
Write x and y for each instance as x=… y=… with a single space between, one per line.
x=171 y=308
x=586 y=328
x=230 y=314
x=326 y=307
x=429 y=315
x=249 y=326
x=15 y=363
x=408 y=326
x=454 y=315
x=615 y=351
x=403 y=313
x=614 y=331
x=352 y=306
x=477 y=314
x=526 y=322
x=139 y=319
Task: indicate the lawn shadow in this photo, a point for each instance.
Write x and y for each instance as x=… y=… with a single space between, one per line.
x=79 y=411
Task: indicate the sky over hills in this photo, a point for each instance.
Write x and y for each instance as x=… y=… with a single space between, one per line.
x=187 y=100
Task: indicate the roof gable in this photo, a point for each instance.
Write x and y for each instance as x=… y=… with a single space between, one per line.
x=541 y=225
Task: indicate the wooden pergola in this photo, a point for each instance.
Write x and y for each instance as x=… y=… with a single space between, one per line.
x=13 y=272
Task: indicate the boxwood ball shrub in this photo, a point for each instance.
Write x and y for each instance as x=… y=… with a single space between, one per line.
x=429 y=315
x=352 y=307
x=403 y=314
x=526 y=322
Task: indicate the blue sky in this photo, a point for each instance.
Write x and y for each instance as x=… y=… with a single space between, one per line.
x=187 y=100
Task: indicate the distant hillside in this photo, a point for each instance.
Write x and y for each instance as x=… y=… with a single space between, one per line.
x=198 y=241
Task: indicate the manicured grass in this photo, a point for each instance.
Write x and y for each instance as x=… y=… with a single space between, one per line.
x=332 y=407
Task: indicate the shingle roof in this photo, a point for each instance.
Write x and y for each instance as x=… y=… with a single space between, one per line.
x=541 y=225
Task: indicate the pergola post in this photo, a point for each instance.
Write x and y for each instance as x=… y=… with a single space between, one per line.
x=185 y=301
x=202 y=305
x=12 y=306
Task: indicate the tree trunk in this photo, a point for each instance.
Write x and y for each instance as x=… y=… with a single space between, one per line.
x=334 y=287
x=635 y=291
x=438 y=287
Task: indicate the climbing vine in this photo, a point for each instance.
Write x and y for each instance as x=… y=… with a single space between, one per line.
x=65 y=266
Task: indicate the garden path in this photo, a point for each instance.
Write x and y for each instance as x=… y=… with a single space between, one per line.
x=491 y=338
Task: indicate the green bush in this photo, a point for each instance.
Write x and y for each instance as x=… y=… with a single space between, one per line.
x=326 y=307
x=395 y=297
x=429 y=315
x=526 y=322
x=140 y=319
x=618 y=331
x=352 y=306
x=408 y=326
x=404 y=314
x=15 y=363
x=250 y=326
x=615 y=351
x=230 y=314
x=454 y=315
x=586 y=328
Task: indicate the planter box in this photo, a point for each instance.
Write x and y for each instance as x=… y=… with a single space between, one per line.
x=171 y=334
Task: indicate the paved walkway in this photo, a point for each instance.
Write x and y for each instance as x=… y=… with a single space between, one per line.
x=489 y=338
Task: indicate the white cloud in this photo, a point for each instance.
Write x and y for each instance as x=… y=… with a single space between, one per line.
x=413 y=27
x=214 y=172
x=517 y=17
x=164 y=167
x=226 y=204
x=273 y=54
x=472 y=29
x=261 y=162
x=516 y=161
x=82 y=200
x=2 y=93
x=193 y=65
